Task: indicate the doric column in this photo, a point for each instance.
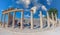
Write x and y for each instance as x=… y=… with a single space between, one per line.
x=31 y=19
x=22 y=14
x=8 y=20
x=14 y=19
x=4 y=20
x=41 y=22
x=48 y=21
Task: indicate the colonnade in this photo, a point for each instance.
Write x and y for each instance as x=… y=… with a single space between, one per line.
x=31 y=18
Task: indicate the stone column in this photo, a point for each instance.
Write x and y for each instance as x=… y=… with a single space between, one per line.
x=41 y=22
x=48 y=21
x=56 y=20
x=53 y=22
x=14 y=19
x=53 y=19
x=56 y=17
x=1 y=19
x=8 y=20
x=59 y=22
x=31 y=19
x=4 y=20
x=22 y=19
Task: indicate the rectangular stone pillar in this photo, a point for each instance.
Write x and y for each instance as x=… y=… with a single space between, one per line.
x=41 y=22
x=48 y=21
x=31 y=19
x=14 y=19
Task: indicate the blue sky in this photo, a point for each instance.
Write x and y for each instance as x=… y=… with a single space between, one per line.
x=5 y=4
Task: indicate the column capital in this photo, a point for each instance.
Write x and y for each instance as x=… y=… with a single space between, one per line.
x=31 y=10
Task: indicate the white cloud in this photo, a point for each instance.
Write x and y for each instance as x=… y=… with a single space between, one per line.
x=26 y=16
x=2 y=10
x=25 y=2
x=10 y=6
x=49 y=2
x=18 y=2
x=34 y=9
x=44 y=8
